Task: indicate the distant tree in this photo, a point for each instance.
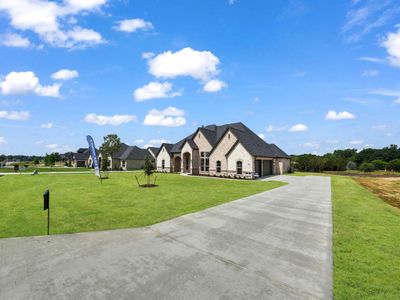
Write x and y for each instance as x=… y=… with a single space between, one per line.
x=50 y=160
x=379 y=164
x=351 y=165
x=394 y=165
x=36 y=161
x=367 y=167
x=111 y=145
x=148 y=169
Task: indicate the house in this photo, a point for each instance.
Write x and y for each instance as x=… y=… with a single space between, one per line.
x=231 y=150
x=128 y=158
x=81 y=158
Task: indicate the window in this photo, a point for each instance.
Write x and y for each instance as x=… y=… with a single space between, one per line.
x=238 y=167
x=204 y=161
x=163 y=164
x=218 y=166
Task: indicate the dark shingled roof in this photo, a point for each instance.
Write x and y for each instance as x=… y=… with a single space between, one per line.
x=255 y=145
x=135 y=153
x=120 y=152
x=154 y=149
x=167 y=146
x=82 y=154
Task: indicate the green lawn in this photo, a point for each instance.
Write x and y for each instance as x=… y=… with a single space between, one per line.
x=80 y=203
x=366 y=242
x=30 y=169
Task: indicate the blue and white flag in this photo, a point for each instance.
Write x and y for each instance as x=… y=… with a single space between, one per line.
x=93 y=153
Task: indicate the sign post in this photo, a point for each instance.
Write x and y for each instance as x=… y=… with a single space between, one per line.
x=46 y=206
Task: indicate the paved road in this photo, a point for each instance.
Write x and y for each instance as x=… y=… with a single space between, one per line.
x=274 y=245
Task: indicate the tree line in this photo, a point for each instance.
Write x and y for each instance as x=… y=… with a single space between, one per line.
x=367 y=160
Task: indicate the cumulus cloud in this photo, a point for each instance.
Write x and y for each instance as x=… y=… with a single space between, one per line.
x=155 y=143
x=139 y=141
x=200 y=65
x=15 y=115
x=154 y=90
x=46 y=125
x=169 y=117
x=114 y=120
x=27 y=82
x=344 y=115
x=298 y=128
x=3 y=140
x=147 y=55
x=132 y=25
x=261 y=135
x=65 y=74
x=15 y=40
x=392 y=45
x=214 y=85
x=52 y=146
x=49 y=20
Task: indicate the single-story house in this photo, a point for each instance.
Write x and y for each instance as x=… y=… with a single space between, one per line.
x=128 y=158
x=81 y=158
x=231 y=150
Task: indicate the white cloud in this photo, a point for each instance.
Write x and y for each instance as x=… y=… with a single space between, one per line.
x=52 y=146
x=3 y=140
x=147 y=55
x=155 y=143
x=256 y=99
x=370 y=73
x=344 y=115
x=15 y=40
x=313 y=145
x=272 y=128
x=356 y=142
x=139 y=141
x=298 y=128
x=114 y=120
x=231 y=2
x=331 y=141
x=392 y=45
x=200 y=65
x=169 y=117
x=40 y=142
x=132 y=25
x=50 y=20
x=27 y=82
x=261 y=135
x=65 y=74
x=46 y=125
x=15 y=115
x=154 y=90
x=214 y=85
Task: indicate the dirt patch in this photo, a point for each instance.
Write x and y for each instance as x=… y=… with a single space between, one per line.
x=387 y=189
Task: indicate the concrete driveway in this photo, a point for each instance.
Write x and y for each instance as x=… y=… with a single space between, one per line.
x=273 y=245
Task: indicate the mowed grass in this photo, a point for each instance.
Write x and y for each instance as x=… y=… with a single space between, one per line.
x=30 y=169
x=80 y=203
x=387 y=189
x=366 y=243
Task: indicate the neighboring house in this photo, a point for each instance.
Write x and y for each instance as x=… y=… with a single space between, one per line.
x=231 y=150
x=128 y=158
x=81 y=158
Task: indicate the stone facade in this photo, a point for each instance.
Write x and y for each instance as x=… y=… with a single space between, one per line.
x=163 y=155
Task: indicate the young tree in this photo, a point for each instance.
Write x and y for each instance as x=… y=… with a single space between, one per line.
x=36 y=161
x=148 y=169
x=50 y=160
x=111 y=145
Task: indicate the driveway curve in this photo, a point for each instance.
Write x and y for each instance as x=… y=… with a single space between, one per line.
x=273 y=245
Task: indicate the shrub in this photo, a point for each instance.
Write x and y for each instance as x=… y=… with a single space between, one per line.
x=394 y=165
x=367 y=167
x=351 y=165
x=379 y=164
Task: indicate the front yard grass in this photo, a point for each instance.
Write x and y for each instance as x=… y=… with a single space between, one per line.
x=80 y=203
x=366 y=243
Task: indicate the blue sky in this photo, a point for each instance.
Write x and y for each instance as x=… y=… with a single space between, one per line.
x=310 y=76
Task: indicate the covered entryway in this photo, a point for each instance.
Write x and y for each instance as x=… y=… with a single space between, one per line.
x=186 y=162
x=177 y=164
x=263 y=167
